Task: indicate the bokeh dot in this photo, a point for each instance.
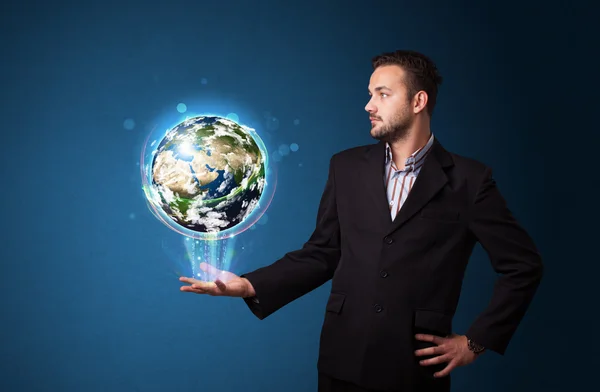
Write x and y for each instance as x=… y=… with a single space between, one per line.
x=233 y=117
x=129 y=124
x=272 y=123
x=204 y=81
x=284 y=149
x=132 y=216
x=296 y=122
x=181 y=108
x=294 y=147
x=276 y=156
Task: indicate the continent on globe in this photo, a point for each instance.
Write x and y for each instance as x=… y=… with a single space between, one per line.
x=208 y=174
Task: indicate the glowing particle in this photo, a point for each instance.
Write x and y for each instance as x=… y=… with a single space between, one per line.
x=284 y=149
x=129 y=124
x=233 y=117
x=296 y=122
x=272 y=123
x=204 y=81
x=276 y=156
x=294 y=147
x=181 y=108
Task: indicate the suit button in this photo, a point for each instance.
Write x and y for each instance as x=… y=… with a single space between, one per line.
x=383 y=274
x=378 y=308
x=388 y=240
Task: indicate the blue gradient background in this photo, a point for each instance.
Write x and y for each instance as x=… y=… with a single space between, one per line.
x=89 y=292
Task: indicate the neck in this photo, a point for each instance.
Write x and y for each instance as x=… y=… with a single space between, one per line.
x=415 y=139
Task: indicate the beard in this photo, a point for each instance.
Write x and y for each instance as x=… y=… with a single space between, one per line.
x=397 y=128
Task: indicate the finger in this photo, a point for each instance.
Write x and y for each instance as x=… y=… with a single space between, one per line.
x=206 y=287
x=445 y=371
x=431 y=351
x=210 y=288
x=215 y=292
x=188 y=280
x=436 y=360
x=190 y=289
x=221 y=285
x=429 y=338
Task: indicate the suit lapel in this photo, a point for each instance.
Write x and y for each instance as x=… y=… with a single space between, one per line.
x=429 y=182
x=373 y=179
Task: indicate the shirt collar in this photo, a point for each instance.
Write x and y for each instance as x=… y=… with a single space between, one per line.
x=415 y=160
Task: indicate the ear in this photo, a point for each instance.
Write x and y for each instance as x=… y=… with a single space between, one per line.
x=420 y=102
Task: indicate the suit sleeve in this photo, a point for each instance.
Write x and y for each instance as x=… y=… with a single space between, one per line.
x=303 y=270
x=513 y=256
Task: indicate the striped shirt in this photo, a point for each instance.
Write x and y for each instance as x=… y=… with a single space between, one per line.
x=398 y=183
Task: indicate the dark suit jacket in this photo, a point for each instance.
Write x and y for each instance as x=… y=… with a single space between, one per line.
x=392 y=279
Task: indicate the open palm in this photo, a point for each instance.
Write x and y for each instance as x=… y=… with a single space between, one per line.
x=225 y=284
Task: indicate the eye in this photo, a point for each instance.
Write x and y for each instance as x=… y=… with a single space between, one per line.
x=383 y=95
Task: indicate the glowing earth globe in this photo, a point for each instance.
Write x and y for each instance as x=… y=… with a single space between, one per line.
x=208 y=174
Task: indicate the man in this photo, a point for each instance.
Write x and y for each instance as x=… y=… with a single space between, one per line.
x=396 y=226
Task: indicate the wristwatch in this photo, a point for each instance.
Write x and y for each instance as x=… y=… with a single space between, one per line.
x=474 y=347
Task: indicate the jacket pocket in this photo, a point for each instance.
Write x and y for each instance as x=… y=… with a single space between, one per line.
x=335 y=302
x=433 y=321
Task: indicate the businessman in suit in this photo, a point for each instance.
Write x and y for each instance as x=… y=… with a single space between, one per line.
x=396 y=226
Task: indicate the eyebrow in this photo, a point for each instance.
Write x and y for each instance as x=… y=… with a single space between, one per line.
x=379 y=88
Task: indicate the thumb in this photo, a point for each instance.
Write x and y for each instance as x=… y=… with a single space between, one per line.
x=221 y=285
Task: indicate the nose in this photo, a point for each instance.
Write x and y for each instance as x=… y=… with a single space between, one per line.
x=369 y=107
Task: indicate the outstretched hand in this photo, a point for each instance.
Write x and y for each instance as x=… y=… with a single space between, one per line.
x=452 y=349
x=225 y=284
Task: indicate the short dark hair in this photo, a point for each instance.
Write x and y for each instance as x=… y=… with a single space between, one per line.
x=422 y=73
